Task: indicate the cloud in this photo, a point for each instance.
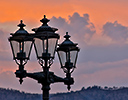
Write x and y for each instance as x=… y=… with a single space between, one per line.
x=115 y=31
x=4 y=46
x=78 y=27
x=109 y=74
x=6 y=77
x=81 y=25
x=111 y=34
x=109 y=53
x=84 y=32
x=108 y=46
x=100 y=60
x=94 y=67
x=8 y=80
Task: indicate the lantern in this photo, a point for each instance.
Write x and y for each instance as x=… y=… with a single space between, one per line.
x=68 y=52
x=21 y=44
x=45 y=42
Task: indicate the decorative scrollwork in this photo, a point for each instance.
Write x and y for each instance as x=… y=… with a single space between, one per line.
x=50 y=62
x=41 y=62
x=21 y=62
x=68 y=70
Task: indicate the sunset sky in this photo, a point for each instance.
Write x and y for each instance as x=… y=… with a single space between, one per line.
x=100 y=27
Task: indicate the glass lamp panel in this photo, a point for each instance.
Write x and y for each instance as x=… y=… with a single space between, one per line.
x=52 y=43
x=39 y=47
x=62 y=57
x=27 y=48
x=44 y=44
x=73 y=57
x=15 y=47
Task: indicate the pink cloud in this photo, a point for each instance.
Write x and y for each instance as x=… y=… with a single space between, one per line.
x=103 y=74
x=100 y=61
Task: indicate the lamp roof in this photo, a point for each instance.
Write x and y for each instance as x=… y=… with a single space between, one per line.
x=21 y=34
x=67 y=45
x=44 y=26
x=21 y=30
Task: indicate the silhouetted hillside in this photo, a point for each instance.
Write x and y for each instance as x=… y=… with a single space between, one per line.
x=94 y=93
x=91 y=93
x=10 y=94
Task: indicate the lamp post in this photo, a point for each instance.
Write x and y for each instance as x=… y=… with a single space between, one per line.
x=45 y=42
x=21 y=45
x=68 y=52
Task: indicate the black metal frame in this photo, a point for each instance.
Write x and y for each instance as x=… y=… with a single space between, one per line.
x=45 y=77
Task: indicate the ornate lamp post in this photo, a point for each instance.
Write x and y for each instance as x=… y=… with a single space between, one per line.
x=45 y=41
x=21 y=45
x=68 y=52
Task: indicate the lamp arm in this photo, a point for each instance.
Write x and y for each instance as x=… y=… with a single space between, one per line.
x=41 y=78
x=52 y=78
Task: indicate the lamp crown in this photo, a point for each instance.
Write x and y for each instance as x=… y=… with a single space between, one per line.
x=67 y=41
x=44 y=26
x=21 y=25
x=44 y=21
x=67 y=36
x=21 y=30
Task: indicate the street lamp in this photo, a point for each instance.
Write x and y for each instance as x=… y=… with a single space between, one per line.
x=45 y=42
x=21 y=45
x=68 y=52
